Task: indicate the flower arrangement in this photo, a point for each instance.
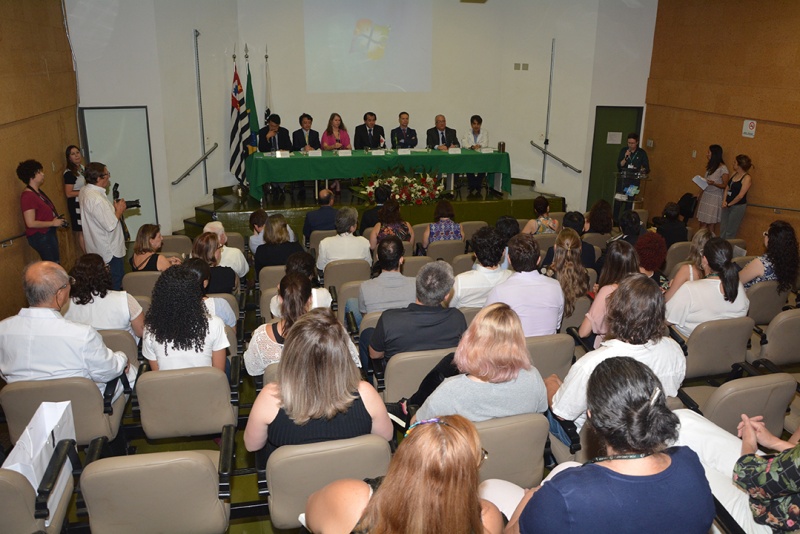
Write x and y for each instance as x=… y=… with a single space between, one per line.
x=407 y=190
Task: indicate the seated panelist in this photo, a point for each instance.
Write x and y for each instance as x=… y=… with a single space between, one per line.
x=403 y=136
x=369 y=134
x=335 y=136
x=305 y=138
x=273 y=137
x=441 y=137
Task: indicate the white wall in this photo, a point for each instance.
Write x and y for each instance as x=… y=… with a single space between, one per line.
x=141 y=53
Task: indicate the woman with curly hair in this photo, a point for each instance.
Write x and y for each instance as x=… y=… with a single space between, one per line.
x=431 y=486
x=652 y=251
x=93 y=302
x=390 y=222
x=693 y=268
x=568 y=269
x=779 y=263
x=599 y=220
x=208 y=248
x=145 y=250
x=215 y=305
x=179 y=333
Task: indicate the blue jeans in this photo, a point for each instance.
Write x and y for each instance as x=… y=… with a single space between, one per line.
x=46 y=244
x=556 y=429
x=363 y=346
x=117 y=268
x=352 y=306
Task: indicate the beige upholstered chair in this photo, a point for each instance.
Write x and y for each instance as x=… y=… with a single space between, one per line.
x=178 y=244
x=419 y=232
x=316 y=237
x=590 y=447
x=469 y=314
x=782 y=340
x=582 y=305
x=597 y=240
x=592 y=277
x=470 y=227
x=413 y=264
x=715 y=346
x=738 y=242
x=559 y=216
x=144 y=302
x=271 y=276
x=122 y=341
x=551 y=354
x=674 y=271
x=598 y=251
x=677 y=253
x=232 y=301
x=235 y=240
x=348 y=290
x=445 y=250
x=545 y=241
x=742 y=261
x=765 y=301
x=523 y=222
x=93 y=416
x=294 y=472
x=264 y=301
x=140 y=283
x=516 y=448
x=340 y=271
x=405 y=371
x=463 y=263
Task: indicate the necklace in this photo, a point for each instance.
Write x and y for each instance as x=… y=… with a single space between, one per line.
x=635 y=456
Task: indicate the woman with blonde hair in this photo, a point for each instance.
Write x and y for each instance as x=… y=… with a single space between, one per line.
x=208 y=248
x=145 y=250
x=693 y=270
x=568 y=268
x=431 y=486
x=277 y=247
x=319 y=395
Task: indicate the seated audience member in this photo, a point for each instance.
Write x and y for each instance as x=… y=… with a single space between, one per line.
x=229 y=256
x=490 y=374
x=431 y=486
x=543 y=223
x=145 y=251
x=345 y=245
x=779 y=263
x=403 y=136
x=444 y=228
x=258 y=220
x=423 y=325
x=179 y=332
x=440 y=137
x=621 y=261
x=277 y=247
x=472 y=287
x=720 y=295
x=672 y=229
x=575 y=220
x=39 y=344
x=319 y=395
x=390 y=222
x=652 y=251
x=535 y=298
x=630 y=226
x=600 y=220
x=303 y=263
x=214 y=305
x=305 y=139
x=273 y=136
x=370 y=217
x=635 y=328
x=628 y=412
x=335 y=136
x=369 y=134
x=476 y=139
x=568 y=269
x=390 y=289
x=507 y=226
x=208 y=248
x=93 y=302
x=692 y=270
x=322 y=218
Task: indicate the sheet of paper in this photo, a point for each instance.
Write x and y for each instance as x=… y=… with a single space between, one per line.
x=700 y=181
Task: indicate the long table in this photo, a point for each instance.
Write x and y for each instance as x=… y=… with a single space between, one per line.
x=265 y=168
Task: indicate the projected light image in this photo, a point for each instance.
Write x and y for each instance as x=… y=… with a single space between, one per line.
x=366 y=46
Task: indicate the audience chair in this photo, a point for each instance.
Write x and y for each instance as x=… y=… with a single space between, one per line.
x=121 y=341
x=367 y=232
x=597 y=240
x=405 y=371
x=559 y=216
x=412 y=265
x=463 y=263
x=677 y=253
x=470 y=227
x=236 y=240
x=779 y=343
x=419 y=232
x=545 y=241
x=469 y=314
x=765 y=302
x=445 y=250
x=516 y=448
x=592 y=277
x=316 y=237
x=742 y=261
x=522 y=223
x=25 y=508
x=715 y=346
x=582 y=305
x=294 y=472
x=264 y=301
x=348 y=290
x=178 y=244
x=140 y=283
x=551 y=355
x=674 y=271
x=644 y=216
x=340 y=271
x=144 y=302
x=271 y=276
x=585 y=446
x=233 y=341
x=738 y=242
x=232 y=301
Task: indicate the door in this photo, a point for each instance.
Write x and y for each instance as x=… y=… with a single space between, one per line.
x=610 y=123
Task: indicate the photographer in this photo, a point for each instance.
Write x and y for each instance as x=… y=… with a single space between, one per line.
x=39 y=212
x=102 y=229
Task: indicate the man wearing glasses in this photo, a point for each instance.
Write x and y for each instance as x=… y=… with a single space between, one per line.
x=39 y=344
x=100 y=219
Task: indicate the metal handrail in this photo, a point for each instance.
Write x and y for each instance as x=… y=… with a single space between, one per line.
x=195 y=164
x=561 y=161
x=772 y=207
x=10 y=240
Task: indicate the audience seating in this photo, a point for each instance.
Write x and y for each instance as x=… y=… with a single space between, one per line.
x=235 y=240
x=122 y=341
x=598 y=240
x=765 y=302
x=588 y=446
x=340 y=271
x=367 y=232
x=145 y=302
x=582 y=305
x=263 y=302
x=232 y=301
x=742 y=261
x=412 y=265
x=738 y=242
x=271 y=276
x=233 y=341
x=559 y=216
x=419 y=232
x=316 y=237
x=463 y=263
x=516 y=448
x=469 y=314
x=677 y=253
x=674 y=272
x=715 y=346
x=470 y=227
x=445 y=250
x=140 y=283
x=348 y=290
x=294 y=472
x=545 y=241
x=405 y=371
x=597 y=253
x=551 y=355
x=592 y=277
x=779 y=342
x=178 y=244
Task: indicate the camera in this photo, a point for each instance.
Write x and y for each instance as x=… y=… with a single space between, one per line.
x=64 y=223
x=128 y=203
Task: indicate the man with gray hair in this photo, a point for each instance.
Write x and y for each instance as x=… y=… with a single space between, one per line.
x=231 y=257
x=344 y=245
x=39 y=344
x=424 y=324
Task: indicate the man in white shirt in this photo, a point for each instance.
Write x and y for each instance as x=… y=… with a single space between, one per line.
x=344 y=245
x=102 y=230
x=475 y=139
x=39 y=344
x=472 y=287
x=231 y=257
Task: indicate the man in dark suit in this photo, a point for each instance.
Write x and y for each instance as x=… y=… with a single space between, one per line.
x=273 y=137
x=441 y=137
x=305 y=138
x=323 y=218
x=403 y=136
x=369 y=134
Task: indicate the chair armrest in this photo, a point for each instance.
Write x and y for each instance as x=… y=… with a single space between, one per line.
x=50 y=478
x=763 y=335
x=226 y=450
x=572 y=433
x=573 y=331
x=108 y=394
x=688 y=401
x=745 y=367
x=334 y=298
x=768 y=365
x=725 y=520
x=95 y=449
x=261 y=471
x=352 y=327
x=674 y=334
x=379 y=370
x=236 y=369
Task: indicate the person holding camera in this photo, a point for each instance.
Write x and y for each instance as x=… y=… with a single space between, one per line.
x=39 y=212
x=100 y=219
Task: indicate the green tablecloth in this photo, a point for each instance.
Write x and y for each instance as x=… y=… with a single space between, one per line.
x=264 y=168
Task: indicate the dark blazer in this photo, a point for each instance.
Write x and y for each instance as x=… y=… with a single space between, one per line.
x=267 y=255
x=361 y=137
x=284 y=143
x=299 y=140
x=369 y=219
x=323 y=218
x=409 y=141
x=434 y=141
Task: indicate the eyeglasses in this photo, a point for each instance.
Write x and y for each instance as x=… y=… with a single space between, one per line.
x=105 y=175
x=484 y=456
x=70 y=282
x=220 y=246
x=765 y=234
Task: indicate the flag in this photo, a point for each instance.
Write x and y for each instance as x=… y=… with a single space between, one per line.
x=239 y=128
x=252 y=143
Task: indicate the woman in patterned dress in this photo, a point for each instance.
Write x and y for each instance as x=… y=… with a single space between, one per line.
x=709 y=211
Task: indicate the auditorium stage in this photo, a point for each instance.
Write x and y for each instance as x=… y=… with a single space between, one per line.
x=234 y=212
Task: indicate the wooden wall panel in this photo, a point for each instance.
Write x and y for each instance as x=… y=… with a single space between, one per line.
x=38 y=119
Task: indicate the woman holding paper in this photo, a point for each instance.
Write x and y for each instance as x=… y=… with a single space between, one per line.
x=709 y=211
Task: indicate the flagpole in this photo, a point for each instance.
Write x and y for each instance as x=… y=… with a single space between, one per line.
x=200 y=108
x=267 y=92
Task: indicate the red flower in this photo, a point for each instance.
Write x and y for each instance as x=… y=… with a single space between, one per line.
x=419 y=201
